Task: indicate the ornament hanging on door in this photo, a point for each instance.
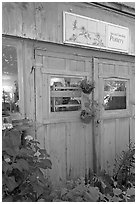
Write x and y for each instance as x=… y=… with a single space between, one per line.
x=87 y=85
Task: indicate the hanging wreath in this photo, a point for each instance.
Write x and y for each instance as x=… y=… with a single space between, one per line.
x=87 y=86
x=86 y=116
x=91 y=111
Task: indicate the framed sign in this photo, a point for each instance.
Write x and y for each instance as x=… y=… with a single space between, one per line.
x=80 y=30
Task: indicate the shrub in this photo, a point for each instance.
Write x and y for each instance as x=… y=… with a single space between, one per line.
x=124 y=169
x=109 y=189
x=102 y=187
x=23 y=162
x=99 y=190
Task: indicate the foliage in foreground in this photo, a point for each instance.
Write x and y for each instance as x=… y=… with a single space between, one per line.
x=124 y=168
x=99 y=191
x=102 y=187
x=24 y=180
x=23 y=163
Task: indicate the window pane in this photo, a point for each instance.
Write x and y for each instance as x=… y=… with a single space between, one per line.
x=114 y=95
x=10 y=94
x=65 y=94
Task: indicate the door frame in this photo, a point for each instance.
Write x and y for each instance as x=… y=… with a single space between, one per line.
x=98 y=127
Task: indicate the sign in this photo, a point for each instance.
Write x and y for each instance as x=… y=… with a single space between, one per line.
x=85 y=31
x=117 y=38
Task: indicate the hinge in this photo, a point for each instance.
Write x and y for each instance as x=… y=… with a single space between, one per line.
x=32 y=68
x=34 y=54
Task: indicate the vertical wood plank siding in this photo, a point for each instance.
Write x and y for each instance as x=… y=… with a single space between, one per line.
x=108 y=145
x=29 y=80
x=70 y=149
x=68 y=141
x=116 y=128
x=115 y=139
x=44 y=20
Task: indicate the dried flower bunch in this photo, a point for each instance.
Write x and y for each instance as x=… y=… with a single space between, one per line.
x=86 y=115
x=87 y=86
x=91 y=111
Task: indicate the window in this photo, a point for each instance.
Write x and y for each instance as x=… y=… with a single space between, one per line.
x=10 y=94
x=12 y=80
x=114 y=94
x=65 y=94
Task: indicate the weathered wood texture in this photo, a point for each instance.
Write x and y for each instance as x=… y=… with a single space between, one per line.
x=44 y=20
x=66 y=138
x=117 y=127
x=115 y=139
x=70 y=148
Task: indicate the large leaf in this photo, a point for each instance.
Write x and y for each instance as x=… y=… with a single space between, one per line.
x=15 y=138
x=33 y=177
x=12 y=138
x=17 y=166
x=4 y=179
x=7 y=199
x=116 y=199
x=131 y=191
x=12 y=151
x=26 y=152
x=23 y=164
x=6 y=167
x=93 y=193
x=37 y=188
x=40 y=175
x=44 y=164
x=43 y=152
x=64 y=191
x=117 y=191
x=11 y=142
x=6 y=143
x=75 y=192
x=90 y=198
x=26 y=188
x=10 y=183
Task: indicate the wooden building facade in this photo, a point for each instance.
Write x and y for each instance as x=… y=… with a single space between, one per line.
x=56 y=44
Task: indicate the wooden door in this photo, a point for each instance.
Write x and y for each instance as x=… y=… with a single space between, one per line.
x=114 y=91
x=67 y=140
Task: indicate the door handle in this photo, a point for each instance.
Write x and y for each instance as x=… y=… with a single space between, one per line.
x=98 y=121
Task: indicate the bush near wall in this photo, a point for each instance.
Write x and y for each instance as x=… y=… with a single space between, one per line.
x=24 y=162
x=23 y=165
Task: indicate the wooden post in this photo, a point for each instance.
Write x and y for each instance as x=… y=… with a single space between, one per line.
x=93 y=125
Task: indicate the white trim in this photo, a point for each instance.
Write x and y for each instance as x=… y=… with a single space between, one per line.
x=116 y=112
x=52 y=114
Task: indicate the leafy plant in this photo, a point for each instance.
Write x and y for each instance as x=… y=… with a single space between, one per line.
x=87 y=86
x=109 y=190
x=102 y=187
x=23 y=162
x=76 y=191
x=99 y=190
x=91 y=111
x=124 y=171
x=86 y=116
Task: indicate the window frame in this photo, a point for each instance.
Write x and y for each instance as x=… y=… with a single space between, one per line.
x=18 y=46
x=62 y=116
x=62 y=76
x=116 y=112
